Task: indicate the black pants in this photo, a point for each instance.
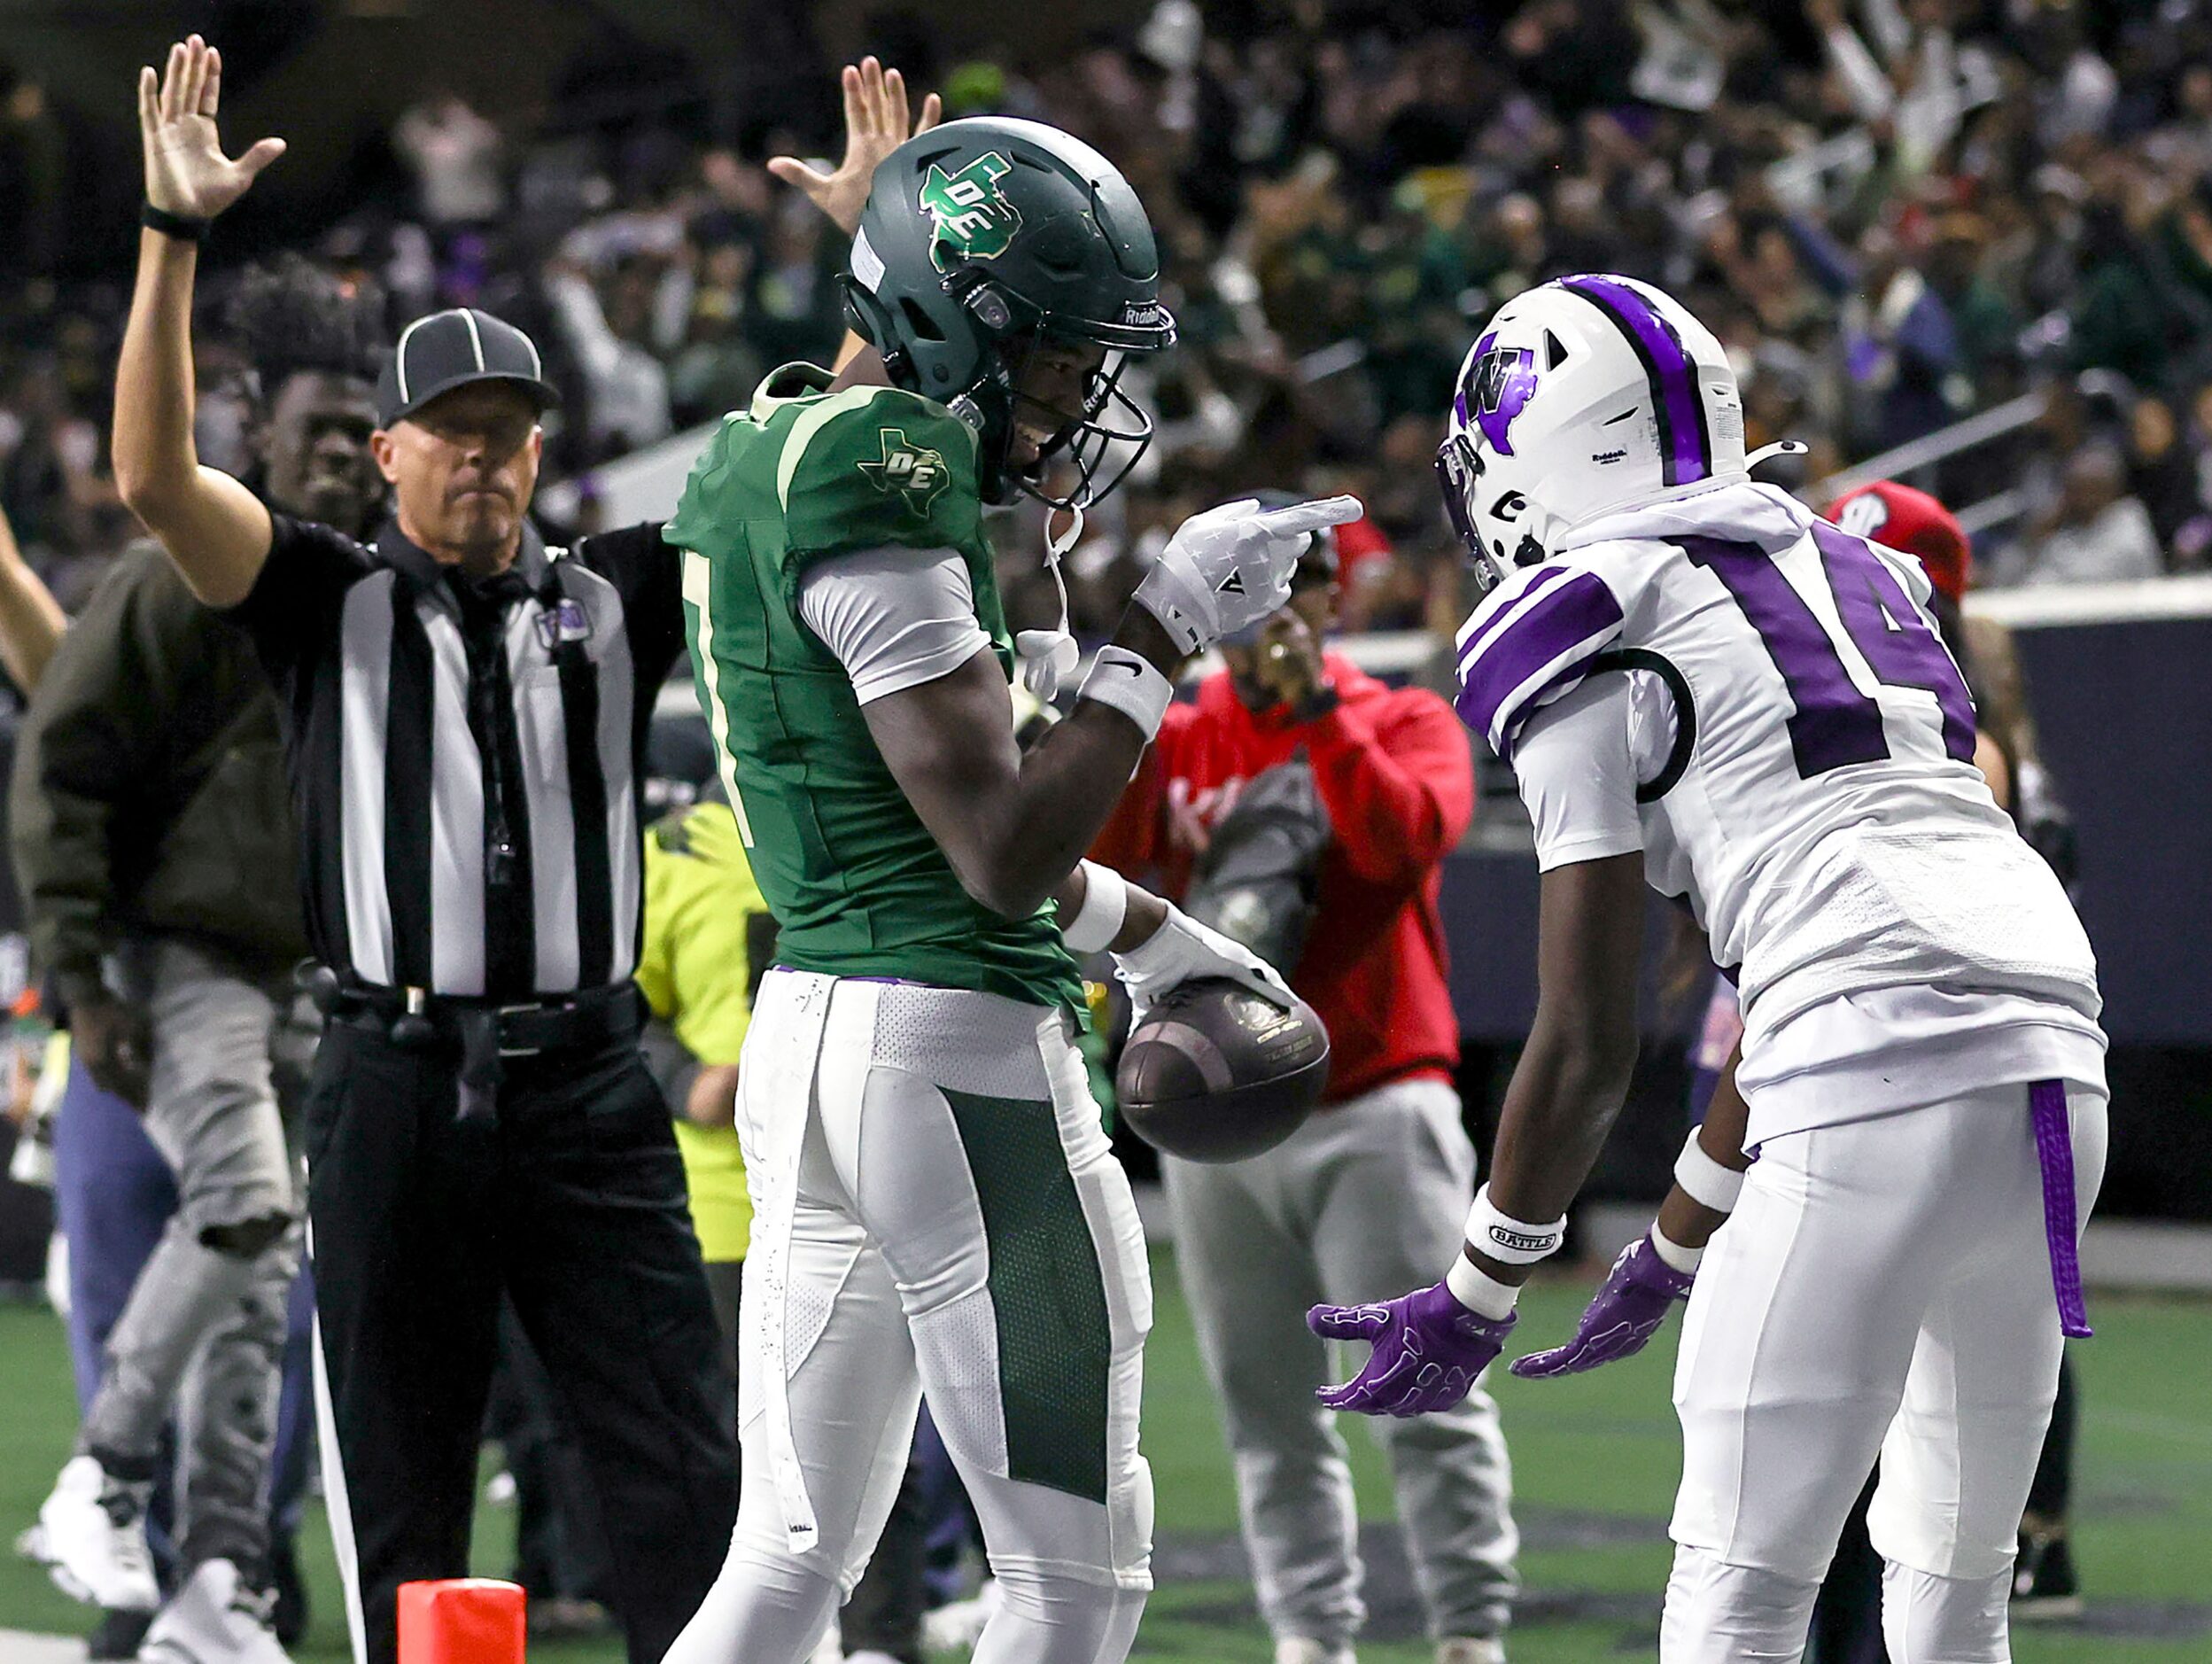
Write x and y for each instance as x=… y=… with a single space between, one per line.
x=573 y=1202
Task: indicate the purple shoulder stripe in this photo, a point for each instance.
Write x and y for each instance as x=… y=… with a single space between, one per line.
x=1531 y=653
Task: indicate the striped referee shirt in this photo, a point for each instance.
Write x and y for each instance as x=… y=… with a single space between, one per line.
x=464 y=757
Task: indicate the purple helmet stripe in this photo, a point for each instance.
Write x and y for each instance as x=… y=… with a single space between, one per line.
x=1685 y=448
x=1531 y=662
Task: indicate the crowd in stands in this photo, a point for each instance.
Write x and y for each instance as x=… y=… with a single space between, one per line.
x=1896 y=213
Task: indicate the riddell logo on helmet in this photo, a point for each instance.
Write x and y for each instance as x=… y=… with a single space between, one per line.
x=973 y=220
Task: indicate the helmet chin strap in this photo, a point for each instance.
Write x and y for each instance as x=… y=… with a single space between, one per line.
x=1048 y=657
x=1780 y=447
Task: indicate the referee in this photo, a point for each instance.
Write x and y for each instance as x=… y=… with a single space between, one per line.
x=464 y=711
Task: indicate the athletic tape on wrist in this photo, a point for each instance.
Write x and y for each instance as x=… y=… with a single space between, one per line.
x=1705 y=1180
x=1480 y=1292
x=1132 y=684
x=1106 y=902
x=1507 y=1240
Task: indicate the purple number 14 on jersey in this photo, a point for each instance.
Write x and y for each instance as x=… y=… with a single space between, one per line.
x=1835 y=723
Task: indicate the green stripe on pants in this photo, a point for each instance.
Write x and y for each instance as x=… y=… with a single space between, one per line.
x=1047 y=1296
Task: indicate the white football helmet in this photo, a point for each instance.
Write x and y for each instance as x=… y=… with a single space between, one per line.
x=1583 y=395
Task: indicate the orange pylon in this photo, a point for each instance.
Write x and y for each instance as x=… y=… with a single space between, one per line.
x=461 y=1621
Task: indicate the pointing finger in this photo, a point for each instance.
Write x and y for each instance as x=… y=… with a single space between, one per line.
x=1311 y=516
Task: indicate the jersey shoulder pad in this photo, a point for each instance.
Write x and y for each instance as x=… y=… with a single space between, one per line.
x=1533 y=639
x=874 y=466
x=860 y=469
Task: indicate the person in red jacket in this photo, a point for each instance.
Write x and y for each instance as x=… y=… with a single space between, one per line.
x=1371 y=1191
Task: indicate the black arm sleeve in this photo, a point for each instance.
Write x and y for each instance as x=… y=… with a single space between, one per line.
x=292 y=613
x=647 y=574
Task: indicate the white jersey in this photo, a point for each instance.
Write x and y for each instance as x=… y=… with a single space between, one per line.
x=1801 y=749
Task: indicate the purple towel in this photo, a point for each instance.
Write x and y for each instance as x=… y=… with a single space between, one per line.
x=2055 y=1150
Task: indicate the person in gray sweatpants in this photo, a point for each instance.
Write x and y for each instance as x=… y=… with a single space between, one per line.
x=1368 y=1187
x=154 y=846
x=1305 y=809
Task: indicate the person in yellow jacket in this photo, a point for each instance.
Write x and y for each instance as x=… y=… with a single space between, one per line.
x=708 y=937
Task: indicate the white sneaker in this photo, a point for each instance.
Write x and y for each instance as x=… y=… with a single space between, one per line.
x=1303 y=1649
x=955 y=1626
x=215 y=1618
x=1471 y=1649
x=91 y=1537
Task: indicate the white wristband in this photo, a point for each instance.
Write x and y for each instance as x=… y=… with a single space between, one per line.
x=1673 y=1254
x=1106 y=902
x=1705 y=1180
x=1511 y=1241
x=1132 y=684
x=1480 y=1292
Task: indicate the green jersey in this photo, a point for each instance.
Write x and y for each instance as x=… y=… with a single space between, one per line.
x=857 y=885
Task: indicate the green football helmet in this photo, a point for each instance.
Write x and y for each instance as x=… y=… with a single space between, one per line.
x=986 y=238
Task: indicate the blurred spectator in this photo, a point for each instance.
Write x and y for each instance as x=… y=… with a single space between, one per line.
x=1894 y=212
x=2097 y=532
x=455 y=155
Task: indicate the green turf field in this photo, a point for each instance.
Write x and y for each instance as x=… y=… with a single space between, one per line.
x=1594 y=1465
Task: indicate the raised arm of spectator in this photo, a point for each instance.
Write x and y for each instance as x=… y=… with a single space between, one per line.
x=31 y=620
x=1398 y=784
x=1400 y=793
x=215 y=529
x=1864 y=81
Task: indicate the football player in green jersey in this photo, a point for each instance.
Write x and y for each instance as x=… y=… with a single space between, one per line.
x=936 y=1205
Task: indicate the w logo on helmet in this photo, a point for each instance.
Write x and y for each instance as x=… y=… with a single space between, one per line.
x=973 y=217
x=1498 y=384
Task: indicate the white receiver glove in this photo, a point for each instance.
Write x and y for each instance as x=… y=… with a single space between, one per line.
x=1232 y=566
x=1183 y=949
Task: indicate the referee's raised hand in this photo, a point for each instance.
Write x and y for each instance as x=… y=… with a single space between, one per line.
x=186 y=174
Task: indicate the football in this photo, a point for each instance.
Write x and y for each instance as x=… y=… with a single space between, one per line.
x=1215 y=1073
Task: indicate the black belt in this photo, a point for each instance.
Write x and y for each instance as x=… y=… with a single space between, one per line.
x=487 y=1031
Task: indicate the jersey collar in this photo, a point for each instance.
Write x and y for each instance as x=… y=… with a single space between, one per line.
x=424 y=573
x=788 y=383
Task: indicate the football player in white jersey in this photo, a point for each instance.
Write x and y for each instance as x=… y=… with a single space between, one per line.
x=1702 y=687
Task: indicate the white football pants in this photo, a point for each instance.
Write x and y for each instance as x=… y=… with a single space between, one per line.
x=1884 y=1287
x=936 y=1209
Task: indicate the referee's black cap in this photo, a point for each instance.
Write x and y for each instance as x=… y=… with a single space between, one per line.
x=443 y=350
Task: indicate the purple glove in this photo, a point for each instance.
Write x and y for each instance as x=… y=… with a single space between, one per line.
x=1625 y=1312
x=1428 y=1351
